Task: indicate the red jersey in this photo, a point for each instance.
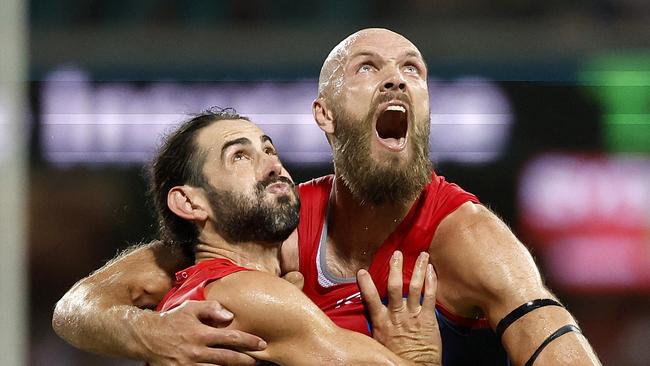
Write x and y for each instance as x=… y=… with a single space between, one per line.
x=465 y=341
x=190 y=282
x=339 y=297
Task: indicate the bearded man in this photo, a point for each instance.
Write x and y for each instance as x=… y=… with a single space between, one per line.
x=217 y=181
x=372 y=104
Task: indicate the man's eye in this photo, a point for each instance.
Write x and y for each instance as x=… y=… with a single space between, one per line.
x=411 y=69
x=270 y=151
x=365 y=68
x=239 y=156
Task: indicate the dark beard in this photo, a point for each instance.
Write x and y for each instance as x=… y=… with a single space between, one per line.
x=373 y=182
x=239 y=218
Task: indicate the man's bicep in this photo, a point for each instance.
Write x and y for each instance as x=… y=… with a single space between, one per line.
x=270 y=307
x=485 y=263
x=497 y=273
x=296 y=330
x=278 y=312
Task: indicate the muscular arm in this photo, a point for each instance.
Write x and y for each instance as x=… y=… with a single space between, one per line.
x=297 y=332
x=106 y=313
x=487 y=270
x=99 y=313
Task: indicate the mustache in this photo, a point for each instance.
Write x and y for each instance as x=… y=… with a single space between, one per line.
x=391 y=95
x=274 y=179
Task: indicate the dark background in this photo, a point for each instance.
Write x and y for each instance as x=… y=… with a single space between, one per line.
x=82 y=214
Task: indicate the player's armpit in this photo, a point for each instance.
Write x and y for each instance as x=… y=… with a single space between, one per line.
x=487 y=269
x=297 y=332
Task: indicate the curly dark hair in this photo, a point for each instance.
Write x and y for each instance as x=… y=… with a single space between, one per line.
x=179 y=161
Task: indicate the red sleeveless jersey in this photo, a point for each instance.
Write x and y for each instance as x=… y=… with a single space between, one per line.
x=190 y=282
x=339 y=298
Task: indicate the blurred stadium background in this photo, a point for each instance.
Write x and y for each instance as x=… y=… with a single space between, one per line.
x=542 y=109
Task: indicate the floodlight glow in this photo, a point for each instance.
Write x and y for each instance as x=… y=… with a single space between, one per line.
x=122 y=122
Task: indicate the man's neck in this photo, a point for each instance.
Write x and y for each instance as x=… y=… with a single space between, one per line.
x=263 y=257
x=358 y=229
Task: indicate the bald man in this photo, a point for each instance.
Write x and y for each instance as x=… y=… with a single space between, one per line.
x=372 y=105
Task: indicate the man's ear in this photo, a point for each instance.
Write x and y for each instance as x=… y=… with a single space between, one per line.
x=187 y=203
x=323 y=116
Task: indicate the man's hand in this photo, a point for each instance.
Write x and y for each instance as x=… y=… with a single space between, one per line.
x=405 y=326
x=189 y=335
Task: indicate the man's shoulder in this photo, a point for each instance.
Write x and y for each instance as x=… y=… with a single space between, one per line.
x=262 y=303
x=468 y=214
x=252 y=288
x=439 y=201
x=441 y=187
x=314 y=195
x=318 y=183
x=472 y=226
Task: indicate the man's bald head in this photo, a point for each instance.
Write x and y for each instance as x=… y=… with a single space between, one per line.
x=331 y=74
x=373 y=104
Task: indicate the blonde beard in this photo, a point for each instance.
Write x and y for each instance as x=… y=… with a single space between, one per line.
x=371 y=182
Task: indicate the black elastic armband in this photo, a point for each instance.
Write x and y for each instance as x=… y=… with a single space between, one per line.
x=564 y=330
x=521 y=311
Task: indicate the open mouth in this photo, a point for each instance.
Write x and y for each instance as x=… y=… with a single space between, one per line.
x=392 y=126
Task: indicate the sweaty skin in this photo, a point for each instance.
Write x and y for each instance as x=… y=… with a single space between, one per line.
x=238 y=156
x=298 y=333
x=483 y=269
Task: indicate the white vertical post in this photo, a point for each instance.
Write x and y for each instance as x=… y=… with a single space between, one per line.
x=13 y=183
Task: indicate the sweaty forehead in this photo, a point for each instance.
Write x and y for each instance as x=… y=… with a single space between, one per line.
x=383 y=43
x=378 y=41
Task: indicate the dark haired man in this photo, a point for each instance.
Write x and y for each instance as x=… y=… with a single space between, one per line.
x=373 y=107
x=217 y=181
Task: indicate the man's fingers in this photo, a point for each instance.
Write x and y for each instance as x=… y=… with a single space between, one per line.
x=214 y=316
x=395 y=302
x=430 y=287
x=417 y=282
x=370 y=295
x=232 y=338
x=225 y=357
x=209 y=312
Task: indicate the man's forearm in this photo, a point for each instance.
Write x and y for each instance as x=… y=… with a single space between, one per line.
x=106 y=313
x=95 y=326
x=102 y=312
x=535 y=338
x=369 y=351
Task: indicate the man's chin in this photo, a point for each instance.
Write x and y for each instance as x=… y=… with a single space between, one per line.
x=273 y=199
x=388 y=160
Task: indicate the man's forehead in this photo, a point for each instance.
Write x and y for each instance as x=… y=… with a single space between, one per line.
x=382 y=42
x=220 y=132
x=378 y=41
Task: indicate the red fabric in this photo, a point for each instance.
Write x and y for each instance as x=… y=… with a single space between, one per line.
x=413 y=235
x=190 y=282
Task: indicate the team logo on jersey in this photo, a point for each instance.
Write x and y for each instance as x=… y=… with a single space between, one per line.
x=355 y=298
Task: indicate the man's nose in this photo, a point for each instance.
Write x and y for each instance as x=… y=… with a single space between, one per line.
x=271 y=166
x=394 y=82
